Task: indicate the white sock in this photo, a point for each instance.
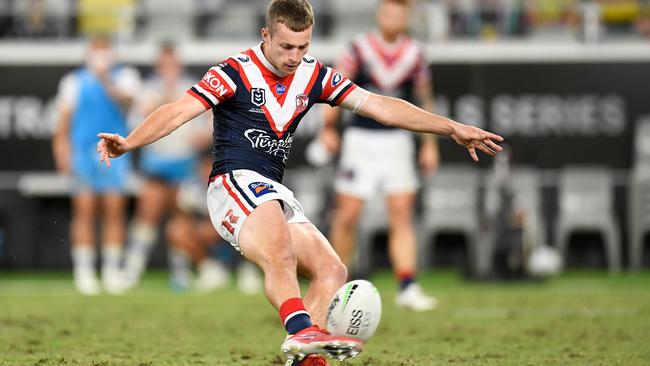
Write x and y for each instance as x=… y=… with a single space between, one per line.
x=180 y=265
x=111 y=257
x=83 y=259
x=143 y=238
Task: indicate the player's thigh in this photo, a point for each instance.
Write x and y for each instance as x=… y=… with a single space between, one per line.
x=180 y=228
x=206 y=233
x=314 y=253
x=152 y=200
x=114 y=205
x=348 y=209
x=84 y=205
x=264 y=237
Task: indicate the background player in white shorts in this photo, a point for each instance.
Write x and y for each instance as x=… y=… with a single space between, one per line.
x=376 y=160
x=258 y=97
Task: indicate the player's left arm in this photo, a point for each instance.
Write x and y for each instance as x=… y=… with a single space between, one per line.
x=396 y=112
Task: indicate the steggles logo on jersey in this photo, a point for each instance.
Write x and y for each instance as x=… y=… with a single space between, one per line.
x=261 y=140
x=302 y=102
x=258 y=96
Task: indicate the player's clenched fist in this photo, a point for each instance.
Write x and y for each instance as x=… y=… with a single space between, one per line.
x=111 y=145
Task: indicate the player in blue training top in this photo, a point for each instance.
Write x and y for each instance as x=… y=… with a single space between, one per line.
x=377 y=160
x=258 y=98
x=93 y=99
x=164 y=165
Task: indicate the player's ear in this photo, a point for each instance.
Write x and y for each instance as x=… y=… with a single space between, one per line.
x=266 y=35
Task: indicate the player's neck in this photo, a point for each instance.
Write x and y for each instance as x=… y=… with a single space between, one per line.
x=390 y=38
x=277 y=70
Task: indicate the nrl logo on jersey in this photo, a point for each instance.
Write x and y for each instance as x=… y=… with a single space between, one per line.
x=258 y=97
x=261 y=140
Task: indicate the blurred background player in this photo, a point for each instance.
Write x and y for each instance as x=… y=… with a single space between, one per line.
x=92 y=99
x=190 y=231
x=164 y=165
x=377 y=158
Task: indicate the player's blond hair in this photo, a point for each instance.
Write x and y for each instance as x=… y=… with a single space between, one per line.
x=296 y=15
x=406 y=3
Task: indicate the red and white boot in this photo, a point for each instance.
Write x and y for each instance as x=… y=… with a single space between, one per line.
x=317 y=341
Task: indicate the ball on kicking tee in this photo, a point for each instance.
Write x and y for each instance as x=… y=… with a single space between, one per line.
x=355 y=310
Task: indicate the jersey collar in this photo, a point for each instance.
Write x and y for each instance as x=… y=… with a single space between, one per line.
x=260 y=55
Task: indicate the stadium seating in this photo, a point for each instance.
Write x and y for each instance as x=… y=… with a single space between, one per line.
x=525 y=183
x=586 y=205
x=639 y=195
x=374 y=220
x=451 y=200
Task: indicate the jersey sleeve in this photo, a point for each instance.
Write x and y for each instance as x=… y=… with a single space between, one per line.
x=215 y=88
x=335 y=87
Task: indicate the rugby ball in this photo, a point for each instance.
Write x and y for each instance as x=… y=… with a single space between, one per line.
x=355 y=310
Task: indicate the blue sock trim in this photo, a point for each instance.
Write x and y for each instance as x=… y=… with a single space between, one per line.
x=298 y=323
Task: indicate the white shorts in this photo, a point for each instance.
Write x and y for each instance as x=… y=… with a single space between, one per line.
x=234 y=196
x=376 y=161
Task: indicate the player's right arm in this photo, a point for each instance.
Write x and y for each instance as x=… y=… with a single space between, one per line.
x=157 y=125
x=66 y=99
x=61 y=142
x=216 y=87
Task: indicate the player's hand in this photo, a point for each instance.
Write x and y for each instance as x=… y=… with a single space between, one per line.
x=429 y=158
x=330 y=138
x=111 y=145
x=473 y=138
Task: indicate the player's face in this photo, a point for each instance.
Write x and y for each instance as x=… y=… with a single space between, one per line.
x=99 y=56
x=169 y=66
x=392 y=18
x=285 y=48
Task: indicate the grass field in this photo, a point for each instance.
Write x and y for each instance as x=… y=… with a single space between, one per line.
x=578 y=319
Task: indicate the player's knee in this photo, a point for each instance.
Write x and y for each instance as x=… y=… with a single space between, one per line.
x=347 y=219
x=279 y=249
x=400 y=218
x=174 y=230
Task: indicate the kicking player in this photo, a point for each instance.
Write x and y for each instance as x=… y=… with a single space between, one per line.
x=92 y=99
x=376 y=159
x=164 y=165
x=258 y=97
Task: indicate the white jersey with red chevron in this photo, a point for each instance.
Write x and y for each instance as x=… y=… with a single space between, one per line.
x=393 y=69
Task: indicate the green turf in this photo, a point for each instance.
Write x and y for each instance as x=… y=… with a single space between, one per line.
x=579 y=319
